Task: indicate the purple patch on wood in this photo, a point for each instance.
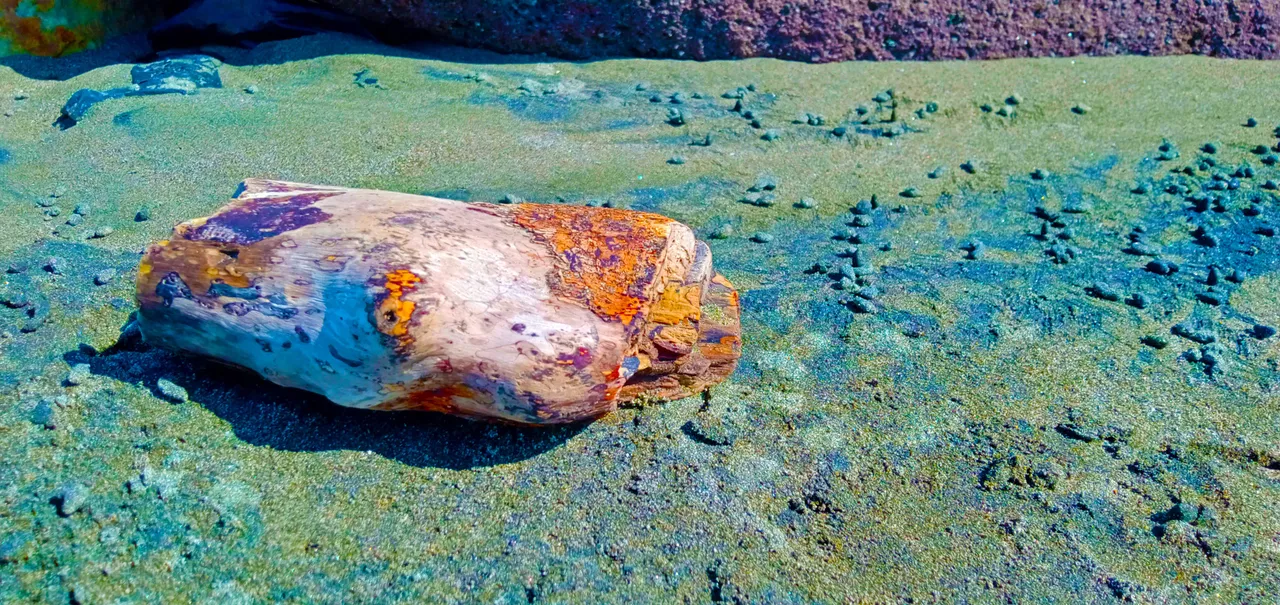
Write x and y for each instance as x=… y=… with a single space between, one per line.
x=259 y=219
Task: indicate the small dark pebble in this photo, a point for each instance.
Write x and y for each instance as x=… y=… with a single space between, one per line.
x=1212 y=297
x=1263 y=332
x=1214 y=276
x=143 y=214
x=1155 y=341
x=937 y=172
x=53 y=265
x=1039 y=174
x=806 y=203
x=1209 y=148
x=761 y=237
x=771 y=134
x=910 y=192
x=676 y=160
x=1138 y=300
x=969 y=166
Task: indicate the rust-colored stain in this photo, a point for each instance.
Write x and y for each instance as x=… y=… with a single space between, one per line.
x=608 y=257
x=433 y=400
x=394 y=312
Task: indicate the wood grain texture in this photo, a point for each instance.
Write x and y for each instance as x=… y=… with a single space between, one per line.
x=526 y=313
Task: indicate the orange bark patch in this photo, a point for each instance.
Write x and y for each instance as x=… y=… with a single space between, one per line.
x=394 y=312
x=434 y=400
x=609 y=258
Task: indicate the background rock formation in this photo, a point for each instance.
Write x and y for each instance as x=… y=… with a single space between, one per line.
x=834 y=30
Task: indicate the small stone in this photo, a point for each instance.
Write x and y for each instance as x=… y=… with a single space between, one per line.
x=1193 y=333
x=1077 y=206
x=985 y=107
x=1005 y=111
x=860 y=305
x=1214 y=277
x=1081 y=109
x=806 y=203
x=1209 y=148
x=143 y=214
x=771 y=134
x=1140 y=189
x=1250 y=123
x=71 y=498
x=102 y=232
x=676 y=98
x=675 y=117
x=721 y=232
x=1162 y=267
x=17 y=267
x=676 y=160
x=74 y=220
x=511 y=199
x=642 y=86
x=764 y=183
x=171 y=391
x=251 y=89
x=1263 y=332
x=1155 y=341
x=80 y=373
x=910 y=192
x=975 y=250
x=14 y=299
x=862 y=207
x=839 y=131
x=1212 y=297
x=44 y=415
x=1138 y=301
x=82 y=209
x=761 y=237
x=969 y=166
x=1104 y=291
x=937 y=172
x=104 y=277
x=1014 y=99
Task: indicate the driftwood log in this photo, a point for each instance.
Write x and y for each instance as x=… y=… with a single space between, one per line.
x=523 y=313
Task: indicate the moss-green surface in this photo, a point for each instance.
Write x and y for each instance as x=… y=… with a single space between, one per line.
x=992 y=434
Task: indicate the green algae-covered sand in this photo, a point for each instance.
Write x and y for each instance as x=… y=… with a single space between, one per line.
x=1048 y=374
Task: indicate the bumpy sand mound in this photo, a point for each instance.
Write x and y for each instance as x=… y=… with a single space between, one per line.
x=832 y=30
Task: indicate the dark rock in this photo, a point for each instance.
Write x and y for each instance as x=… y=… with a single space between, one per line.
x=738 y=29
x=1263 y=332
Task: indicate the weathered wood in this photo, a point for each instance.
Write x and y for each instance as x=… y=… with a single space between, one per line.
x=525 y=313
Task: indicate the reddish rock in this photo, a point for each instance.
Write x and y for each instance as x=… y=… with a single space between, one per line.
x=832 y=30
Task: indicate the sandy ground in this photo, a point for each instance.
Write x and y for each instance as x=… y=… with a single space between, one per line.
x=1012 y=422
